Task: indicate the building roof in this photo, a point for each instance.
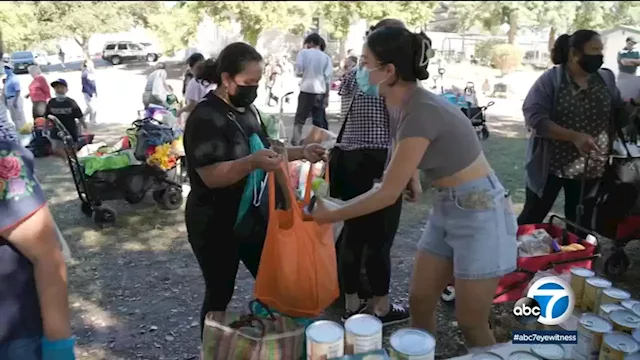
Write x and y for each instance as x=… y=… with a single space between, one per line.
x=622 y=28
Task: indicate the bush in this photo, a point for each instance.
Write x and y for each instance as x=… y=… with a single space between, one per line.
x=506 y=57
x=483 y=50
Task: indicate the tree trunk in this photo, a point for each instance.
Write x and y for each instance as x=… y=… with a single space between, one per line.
x=83 y=42
x=513 y=28
x=342 y=50
x=552 y=38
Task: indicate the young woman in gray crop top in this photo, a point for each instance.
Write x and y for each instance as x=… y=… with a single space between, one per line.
x=471 y=233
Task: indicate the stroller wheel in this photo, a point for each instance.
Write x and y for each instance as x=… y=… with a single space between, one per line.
x=104 y=216
x=617 y=264
x=133 y=198
x=172 y=198
x=86 y=209
x=484 y=133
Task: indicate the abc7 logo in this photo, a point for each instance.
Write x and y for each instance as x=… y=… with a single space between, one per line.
x=526 y=310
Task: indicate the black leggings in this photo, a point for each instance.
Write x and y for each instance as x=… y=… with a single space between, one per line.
x=536 y=208
x=355 y=172
x=219 y=257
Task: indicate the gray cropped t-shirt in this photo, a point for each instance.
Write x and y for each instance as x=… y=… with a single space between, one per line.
x=454 y=143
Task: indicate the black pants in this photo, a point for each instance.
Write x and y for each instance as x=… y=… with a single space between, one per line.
x=536 y=208
x=38 y=109
x=354 y=173
x=219 y=254
x=311 y=104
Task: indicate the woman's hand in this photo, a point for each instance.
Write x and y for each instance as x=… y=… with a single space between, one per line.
x=585 y=143
x=265 y=159
x=321 y=214
x=314 y=152
x=414 y=189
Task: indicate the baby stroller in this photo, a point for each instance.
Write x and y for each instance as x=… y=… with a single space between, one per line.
x=130 y=183
x=475 y=113
x=617 y=209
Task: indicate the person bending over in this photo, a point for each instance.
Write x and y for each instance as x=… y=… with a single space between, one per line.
x=471 y=232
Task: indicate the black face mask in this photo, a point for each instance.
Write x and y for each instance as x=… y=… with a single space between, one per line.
x=245 y=95
x=591 y=63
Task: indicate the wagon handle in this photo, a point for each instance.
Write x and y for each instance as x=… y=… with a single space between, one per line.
x=574 y=225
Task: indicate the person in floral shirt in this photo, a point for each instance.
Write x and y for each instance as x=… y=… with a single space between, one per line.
x=34 y=309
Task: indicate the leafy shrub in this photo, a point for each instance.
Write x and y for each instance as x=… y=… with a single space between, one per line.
x=506 y=57
x=483 y=48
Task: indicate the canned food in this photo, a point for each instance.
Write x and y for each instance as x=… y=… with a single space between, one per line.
x=636 y=309
x=590 y=329
x=624 y=321
x=325 y=340
x=486 y=356
x=363 y=333
x=629 y=304
x=592 y=288
x=617 y=346
x=548 y=351
x=612 y=296
x=634 y=356
x=412 y=344
x=575 y=355
x=636 y=335
x=523 y=355
x=606 y=309
x=578 y=276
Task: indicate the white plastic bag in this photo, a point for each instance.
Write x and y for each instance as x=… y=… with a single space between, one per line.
x=537 y=243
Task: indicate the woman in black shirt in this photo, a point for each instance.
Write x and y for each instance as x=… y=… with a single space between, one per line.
x=219 y=157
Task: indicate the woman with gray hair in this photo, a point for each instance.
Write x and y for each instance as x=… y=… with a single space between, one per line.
x=39 y=92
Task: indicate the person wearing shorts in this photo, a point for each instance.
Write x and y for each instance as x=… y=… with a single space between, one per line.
x=471 y=232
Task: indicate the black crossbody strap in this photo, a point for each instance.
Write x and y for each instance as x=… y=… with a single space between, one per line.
x=346 y=116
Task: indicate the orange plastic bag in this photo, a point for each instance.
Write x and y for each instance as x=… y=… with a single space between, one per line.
x=298 y=273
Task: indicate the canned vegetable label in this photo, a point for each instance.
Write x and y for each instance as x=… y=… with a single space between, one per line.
x=611 y=295
x=592 y=289
x=578 y=276
x=325 y=340
x=625 y=321
x=412 y=344
x=590 y=332
x=363 y=334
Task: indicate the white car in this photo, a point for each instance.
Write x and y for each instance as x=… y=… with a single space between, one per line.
x=120 y=51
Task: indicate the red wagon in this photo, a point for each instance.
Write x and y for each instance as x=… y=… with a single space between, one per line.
x=512 y=286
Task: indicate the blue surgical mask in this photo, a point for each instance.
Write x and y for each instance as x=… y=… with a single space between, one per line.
x=61 y=96
x=364 y=83
x=8 y=71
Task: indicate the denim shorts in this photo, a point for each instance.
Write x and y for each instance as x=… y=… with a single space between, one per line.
x=474 y=225
x=22 y=349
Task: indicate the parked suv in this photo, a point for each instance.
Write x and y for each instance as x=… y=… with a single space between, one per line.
x=117 y=52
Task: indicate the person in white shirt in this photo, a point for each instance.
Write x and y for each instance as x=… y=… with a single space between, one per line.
x=315 y=68
x=196 y=90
